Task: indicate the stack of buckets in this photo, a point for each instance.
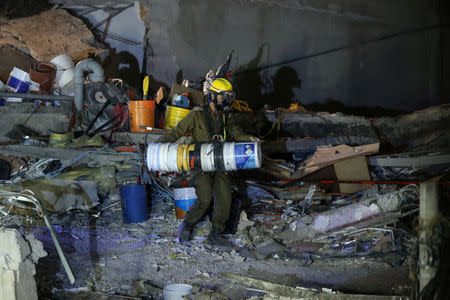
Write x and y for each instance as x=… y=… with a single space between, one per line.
x=206 y=157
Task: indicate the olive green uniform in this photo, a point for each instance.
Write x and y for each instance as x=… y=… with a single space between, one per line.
x=207 y=183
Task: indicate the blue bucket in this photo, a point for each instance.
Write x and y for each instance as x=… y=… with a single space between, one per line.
x=183 y=206
x=184 y=200
x=134 y=203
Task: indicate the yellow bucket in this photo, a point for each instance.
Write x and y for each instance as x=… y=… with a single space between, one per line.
x=174 y=115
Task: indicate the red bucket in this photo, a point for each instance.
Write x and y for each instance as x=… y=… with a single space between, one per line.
x=44 y=74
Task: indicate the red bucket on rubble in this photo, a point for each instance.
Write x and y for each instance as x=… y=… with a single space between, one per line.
x=44 y=74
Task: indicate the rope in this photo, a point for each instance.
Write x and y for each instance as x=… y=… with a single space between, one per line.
x=276 y=123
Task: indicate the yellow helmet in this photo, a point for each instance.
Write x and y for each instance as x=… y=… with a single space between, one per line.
x=221 y=85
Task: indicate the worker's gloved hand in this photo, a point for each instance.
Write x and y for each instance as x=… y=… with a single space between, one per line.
x=255 y=139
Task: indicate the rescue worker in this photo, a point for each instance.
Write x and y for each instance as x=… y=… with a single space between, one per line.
x=209 y=124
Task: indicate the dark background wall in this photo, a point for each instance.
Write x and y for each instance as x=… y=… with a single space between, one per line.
x=393 y=53
x=354 y=53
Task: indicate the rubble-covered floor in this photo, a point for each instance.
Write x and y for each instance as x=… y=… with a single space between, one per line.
x=137 y=260
x=113 y=258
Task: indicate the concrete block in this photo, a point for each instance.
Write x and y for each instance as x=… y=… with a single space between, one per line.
x=37 y=248
x=7 y=284
x=13 y=249
x=25 y=285
x=19 y=284
x=16 y=269
x=332 y=220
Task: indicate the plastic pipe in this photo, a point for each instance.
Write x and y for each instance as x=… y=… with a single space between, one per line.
x=96 y=75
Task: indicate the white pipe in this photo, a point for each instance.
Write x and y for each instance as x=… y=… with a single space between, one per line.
x=96 y=75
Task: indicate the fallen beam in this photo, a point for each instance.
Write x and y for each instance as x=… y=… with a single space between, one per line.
x=424 y=160
x=98 y=157
x=302 y=293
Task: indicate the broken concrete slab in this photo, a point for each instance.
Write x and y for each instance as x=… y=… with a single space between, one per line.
x=279 y=291
x=397 y=131
x=13 y=249
x=63 y=34
x=346 y=216
x=268 y=247
x=331 y=220
x=91 y=156
x=17 y=269
x=37 y=248
x=56 y=118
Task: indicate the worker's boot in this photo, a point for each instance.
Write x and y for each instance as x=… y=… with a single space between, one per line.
x=216 y=238
x=185 y=232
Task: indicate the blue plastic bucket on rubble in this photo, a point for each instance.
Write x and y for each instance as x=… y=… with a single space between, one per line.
x=184 y=199
x=134 y=203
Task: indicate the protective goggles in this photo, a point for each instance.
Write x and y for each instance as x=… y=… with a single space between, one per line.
x=227 y=95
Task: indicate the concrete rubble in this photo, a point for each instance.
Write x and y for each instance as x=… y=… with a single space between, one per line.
x=329 y=215
x=65 y=34
x=365 y=211
x=18 y=257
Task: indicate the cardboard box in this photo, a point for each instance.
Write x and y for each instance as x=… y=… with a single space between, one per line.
x=198 y=98
x=349 y=169
x=352 y=169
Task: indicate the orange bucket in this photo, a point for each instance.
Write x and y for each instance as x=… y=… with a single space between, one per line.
x=142 y=114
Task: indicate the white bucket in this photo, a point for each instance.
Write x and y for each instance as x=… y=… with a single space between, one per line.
x=228 y=157
x=65 y=82
x=172 y=157
x=184 y=193
x=176 y=291
x=247 y=155
x=152 y=156
x=207 y=157
x=64 y=72
x=18 y=82
x=62 y=62
x=163 y=156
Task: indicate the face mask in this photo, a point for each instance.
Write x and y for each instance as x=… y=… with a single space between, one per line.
x=219 y=106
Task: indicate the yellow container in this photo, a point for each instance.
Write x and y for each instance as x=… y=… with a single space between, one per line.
x=174 y=115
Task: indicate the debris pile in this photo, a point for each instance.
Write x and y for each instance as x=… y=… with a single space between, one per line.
x=336 y=198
